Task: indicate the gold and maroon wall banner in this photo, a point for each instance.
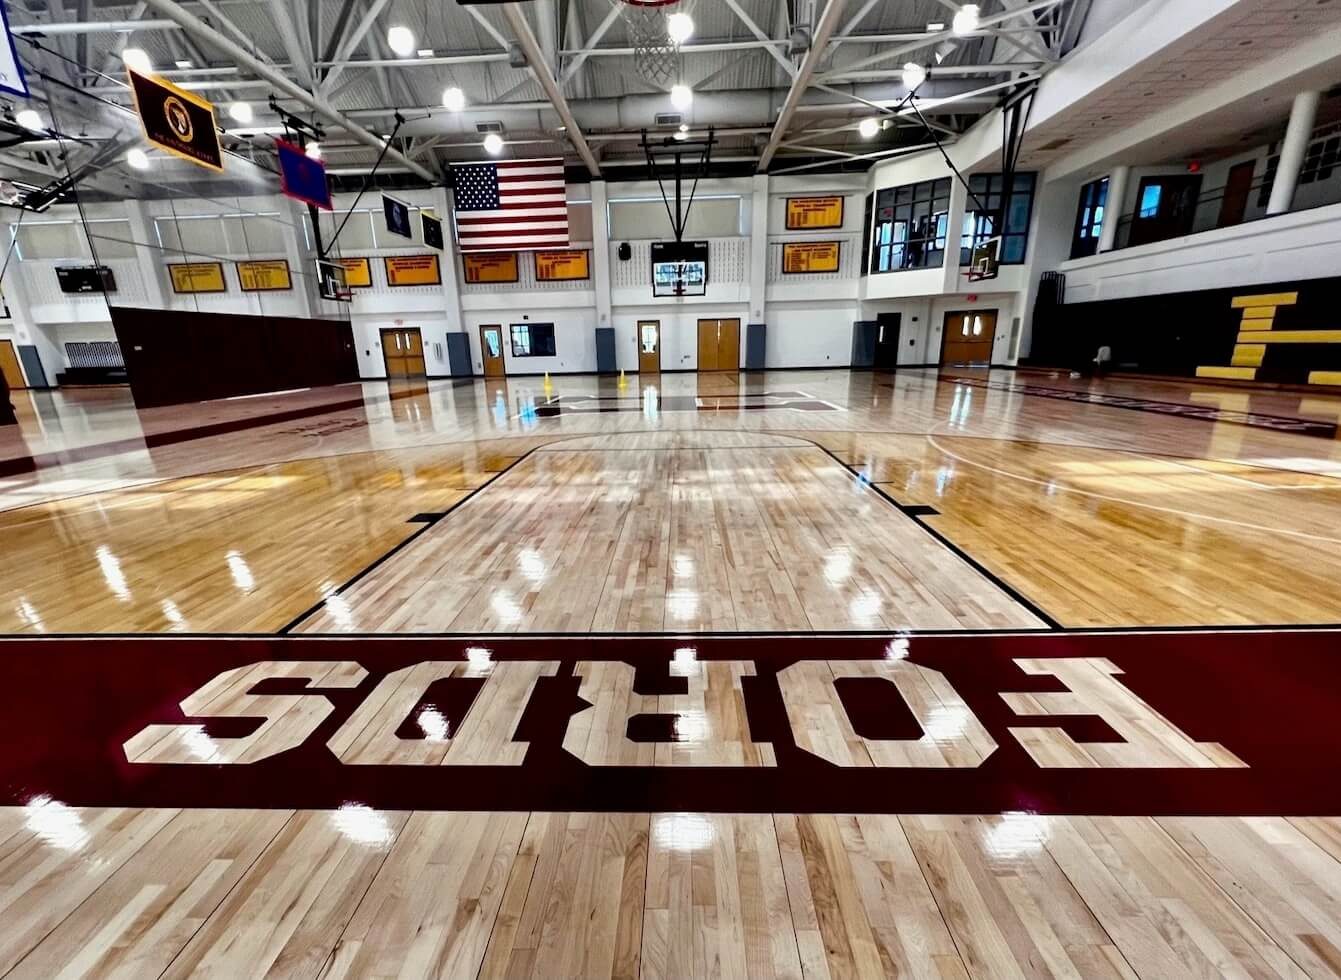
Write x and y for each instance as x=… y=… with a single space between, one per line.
x=358 y=272
x=1122 y=722
x=814 y=213
x=484 y=267
x=562 y=266
x=264 y=276
x=412 y=270
x=802 y=257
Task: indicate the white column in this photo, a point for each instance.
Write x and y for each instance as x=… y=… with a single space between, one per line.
x=451 y=283
x=600 y=254
x=1303 y=114
x=1113 y=208
x=759 y=250
x=26 y=329
x=954 y=232
x=147 y=256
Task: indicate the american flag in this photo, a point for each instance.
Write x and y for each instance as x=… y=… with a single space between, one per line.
x=513 y=204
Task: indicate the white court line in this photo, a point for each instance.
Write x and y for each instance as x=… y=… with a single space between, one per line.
x=1130 y=503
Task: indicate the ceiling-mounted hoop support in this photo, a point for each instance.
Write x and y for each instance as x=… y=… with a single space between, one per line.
x=679 y=149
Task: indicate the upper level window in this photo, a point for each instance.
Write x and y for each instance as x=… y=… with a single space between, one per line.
x=911 y=224
x=983 y=211
x=1150 y=195
x=1089 y=218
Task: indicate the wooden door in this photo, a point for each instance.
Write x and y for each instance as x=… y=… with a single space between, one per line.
x=1165 y=208
x=491 y=347
x=707 y=345
x=9 y=366
x=728 y=345
x=403 y=353
x=968 y=336
x=649 y=346
x=1238 y=185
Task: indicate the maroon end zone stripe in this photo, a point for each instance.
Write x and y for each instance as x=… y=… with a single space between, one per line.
x=1271 y=699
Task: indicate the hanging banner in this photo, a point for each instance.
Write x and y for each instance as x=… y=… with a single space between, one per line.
x=358 y=273
x=198 y=277
x=810 y=213
x=562 y=266
x=798 y=257
x=412 y=270
x=397 y=217
x=301 y=177
x=271 y=275
x=176 y=120
x=11 y=72
x=432 y=229
x=490 y=267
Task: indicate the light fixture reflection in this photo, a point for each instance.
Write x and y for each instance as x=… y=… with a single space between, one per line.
x=433 y=723
x=241 y=571
x=897 y=649
x=479 y=657
x=1019 y=834
x=838 y=567
x=362 y=825
x=682 y=831
x=111 y=573
x=532 y=565
x=30 y=615
x=55 y=824
x=506 y=608
x=865 y=608
x=684 y=663
x=684 y=566
x=174 y=616
x=683 y=605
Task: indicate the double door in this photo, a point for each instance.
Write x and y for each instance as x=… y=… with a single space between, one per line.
x=968 y=337
x=403 y=352
x=719 y=345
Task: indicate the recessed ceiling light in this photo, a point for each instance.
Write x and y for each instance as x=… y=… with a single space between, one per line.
x=425 y=53
x=913 y=75
x=681 y=96
x=183 y=64
x=241 y=112
x=936 y=26
x=138 y=159
x=869 y=128
x=29 y=119
x=453 y=99
x=966 y=19
x=493 y=144
x=679 y=27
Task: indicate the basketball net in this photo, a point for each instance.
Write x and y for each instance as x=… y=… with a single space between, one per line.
x=655 y=56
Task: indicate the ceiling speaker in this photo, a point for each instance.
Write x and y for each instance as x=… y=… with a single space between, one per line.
x=625 y=251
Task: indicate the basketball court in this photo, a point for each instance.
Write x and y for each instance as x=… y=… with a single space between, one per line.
x=640 y=547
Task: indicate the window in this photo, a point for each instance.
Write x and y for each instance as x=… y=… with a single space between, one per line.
x=983 y=210
x=911 y=223
x=866 y=220
x=1321 y=159
x=1089 y=218
x=1268 y=179
x=533 y=340
x=1150 y=195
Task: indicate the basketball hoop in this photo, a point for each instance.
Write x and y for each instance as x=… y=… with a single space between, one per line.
x=655 y=55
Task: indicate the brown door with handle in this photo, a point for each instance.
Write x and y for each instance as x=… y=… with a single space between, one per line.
x=491 y=347
x=968 y=336
x=9 y=366
x=1238 y=185
x=719 y=345
x=649 y=346
x=403 y=353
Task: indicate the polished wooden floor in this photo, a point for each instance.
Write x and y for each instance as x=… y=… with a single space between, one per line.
x=796 y=501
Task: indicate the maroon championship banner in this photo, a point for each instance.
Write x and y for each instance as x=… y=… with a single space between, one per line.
x=1156 y=723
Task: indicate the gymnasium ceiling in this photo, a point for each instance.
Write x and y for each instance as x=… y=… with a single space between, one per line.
x=738 y=63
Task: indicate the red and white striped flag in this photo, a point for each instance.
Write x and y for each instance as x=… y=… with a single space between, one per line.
x=510 y=205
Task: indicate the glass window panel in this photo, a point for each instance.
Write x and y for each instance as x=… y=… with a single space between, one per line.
x=111 y=239
x=1150 y=196
x=903 y=195
x=1012 y=248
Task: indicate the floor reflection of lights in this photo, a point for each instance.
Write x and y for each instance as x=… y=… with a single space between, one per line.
x=55 y=824
x=682 y=831
x=1018 y=834
x=362 y=825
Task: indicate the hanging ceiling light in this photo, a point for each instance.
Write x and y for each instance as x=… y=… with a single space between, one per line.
x=138 y=159
x=30 y=119
x=241 y=112
x=682 y=97
x=401 y=40
x=680 y=27
x=138 y=59
x=314 y=150
x=913 y=75
x=869 y=128
x=493 y=143
x=966 y=19
x=454 y=99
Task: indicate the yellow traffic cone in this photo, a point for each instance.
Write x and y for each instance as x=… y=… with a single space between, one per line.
x=623 y=381
x=549 y=385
